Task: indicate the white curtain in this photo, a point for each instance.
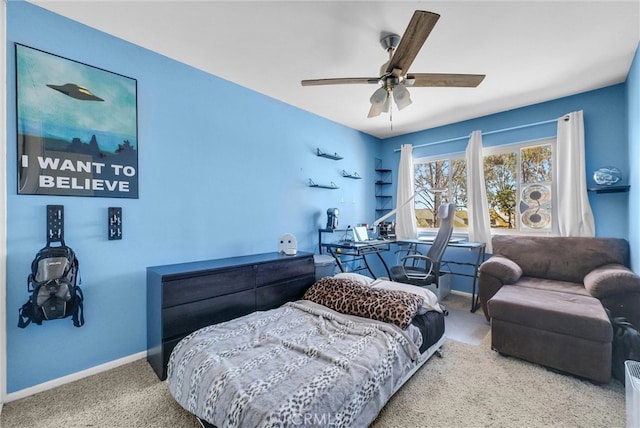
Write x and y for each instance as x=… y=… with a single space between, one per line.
x=406 y=227
x=477 y=205
x=574 y=212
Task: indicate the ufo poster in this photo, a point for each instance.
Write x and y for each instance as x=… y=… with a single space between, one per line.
x=77 y=128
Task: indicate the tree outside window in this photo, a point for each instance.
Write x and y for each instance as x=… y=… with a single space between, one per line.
x=518 y=179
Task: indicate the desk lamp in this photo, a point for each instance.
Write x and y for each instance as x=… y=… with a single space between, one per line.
x=376 y=223
x=332 y=218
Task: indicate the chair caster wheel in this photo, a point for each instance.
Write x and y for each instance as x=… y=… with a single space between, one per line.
x=440 y=353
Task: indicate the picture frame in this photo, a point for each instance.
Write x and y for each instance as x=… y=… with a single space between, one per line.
x=77 y=128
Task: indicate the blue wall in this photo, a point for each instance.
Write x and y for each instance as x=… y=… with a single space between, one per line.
x=633 y=105
x=223 y=172
x=606 y=143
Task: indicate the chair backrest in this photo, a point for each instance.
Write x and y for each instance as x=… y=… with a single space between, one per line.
x=446 y=213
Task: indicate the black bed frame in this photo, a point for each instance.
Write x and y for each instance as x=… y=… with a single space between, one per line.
x=182 y=298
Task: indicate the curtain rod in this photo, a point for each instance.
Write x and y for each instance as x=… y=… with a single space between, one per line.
x=513 y=128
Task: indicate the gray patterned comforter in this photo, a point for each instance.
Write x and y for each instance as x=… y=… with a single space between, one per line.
x=298 y=365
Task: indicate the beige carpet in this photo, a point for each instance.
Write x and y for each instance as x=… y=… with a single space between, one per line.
x=461 y=324
x=471 y=386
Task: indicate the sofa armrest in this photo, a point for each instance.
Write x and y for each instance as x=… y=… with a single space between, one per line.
x=611 y=279
x=494 y=273
x=502 y=268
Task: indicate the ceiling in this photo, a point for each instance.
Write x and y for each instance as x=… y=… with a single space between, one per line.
x=530 y=51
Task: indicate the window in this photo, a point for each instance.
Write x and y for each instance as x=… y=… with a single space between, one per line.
x=519 y=184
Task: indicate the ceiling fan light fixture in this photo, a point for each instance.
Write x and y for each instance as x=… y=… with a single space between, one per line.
x=374 y=111
x=379 y=96
x=387 y=104
x=379 y=102
x=401 y=96
x=379 y=107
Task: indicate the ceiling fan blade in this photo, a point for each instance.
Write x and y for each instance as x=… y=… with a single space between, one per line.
x=340 y=81
x=443 y=80
x=421 y=24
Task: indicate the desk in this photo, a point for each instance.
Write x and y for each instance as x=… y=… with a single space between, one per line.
x=357 y=250
x=477 y=247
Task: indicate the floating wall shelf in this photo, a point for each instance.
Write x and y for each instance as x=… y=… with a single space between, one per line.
x=323 y=186
x=609 y=189
x=348 y=175
x=334 y=156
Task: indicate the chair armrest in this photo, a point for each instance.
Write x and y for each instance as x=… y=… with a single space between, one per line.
x=407 y=251
x=611 y=279
x=416 y=259
x=502 y=268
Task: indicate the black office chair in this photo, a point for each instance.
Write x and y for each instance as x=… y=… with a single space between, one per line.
x=422 y=270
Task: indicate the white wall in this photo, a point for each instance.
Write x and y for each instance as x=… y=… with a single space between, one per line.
x=3 y=201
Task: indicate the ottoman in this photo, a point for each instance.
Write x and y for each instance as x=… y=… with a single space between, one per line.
x=565 y=331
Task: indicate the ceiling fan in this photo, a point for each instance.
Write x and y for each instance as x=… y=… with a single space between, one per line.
x=394 y=76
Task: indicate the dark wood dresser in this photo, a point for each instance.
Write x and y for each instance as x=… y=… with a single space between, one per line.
x=182 y=298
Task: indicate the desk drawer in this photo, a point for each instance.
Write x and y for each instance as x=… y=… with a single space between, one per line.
x=186 y=290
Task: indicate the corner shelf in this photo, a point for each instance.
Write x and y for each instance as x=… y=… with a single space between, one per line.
x=323 y=186
x=355 y=175
x=383 y=179
x=609 y=189
x=334 y=156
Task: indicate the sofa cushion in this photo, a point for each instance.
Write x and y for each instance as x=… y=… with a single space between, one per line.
x=564 y=313
x=561 y=258
x=546 y=284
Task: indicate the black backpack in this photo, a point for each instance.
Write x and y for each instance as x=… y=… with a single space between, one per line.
x=625 y=346
x=52 y=284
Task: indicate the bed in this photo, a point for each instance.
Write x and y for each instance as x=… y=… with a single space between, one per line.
x=333 y=358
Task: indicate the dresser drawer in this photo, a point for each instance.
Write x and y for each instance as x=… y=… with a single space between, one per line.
x=283 y=269
x=272 y=296
x=195 y=288
x=184 y=319
x=184 y=297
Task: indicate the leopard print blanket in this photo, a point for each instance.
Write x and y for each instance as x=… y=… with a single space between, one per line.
x=301 y=364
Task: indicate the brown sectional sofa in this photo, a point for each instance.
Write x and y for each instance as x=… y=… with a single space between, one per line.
x=545 y=298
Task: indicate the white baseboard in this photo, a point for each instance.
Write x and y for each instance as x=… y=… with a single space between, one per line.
x=73 y=377
x=461 y=293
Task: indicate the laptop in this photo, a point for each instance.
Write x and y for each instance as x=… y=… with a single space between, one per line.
x=360 y=234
